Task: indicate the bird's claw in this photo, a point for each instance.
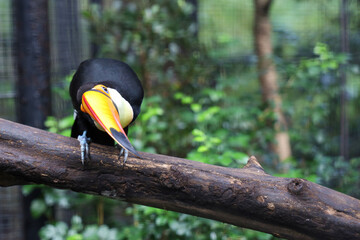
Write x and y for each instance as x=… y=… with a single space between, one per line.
x=84 y=147
x=124 y=152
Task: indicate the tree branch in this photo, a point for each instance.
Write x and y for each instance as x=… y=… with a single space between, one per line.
x=247 y=197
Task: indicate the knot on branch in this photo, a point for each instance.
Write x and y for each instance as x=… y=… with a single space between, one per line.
x=296 y=186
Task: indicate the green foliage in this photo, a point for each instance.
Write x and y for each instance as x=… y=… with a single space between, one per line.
x=149 y=223
x=151 y=37
x=62 y=90
x=63 y=125
x=84 y=204
x=60 y=126
x=324 y=62
x=313 y=80
x=77 y=231
x=146 y=133
x=49 y=198
x=204 y=125
x=312 y=96
x=338 y=174
x=153 y=223
x=210 y=140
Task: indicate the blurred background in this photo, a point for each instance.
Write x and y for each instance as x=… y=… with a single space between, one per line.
x=218 y=88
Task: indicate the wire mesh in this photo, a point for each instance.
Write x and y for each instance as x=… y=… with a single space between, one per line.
x=11 y=219
x=69 y=46
x=7 y=73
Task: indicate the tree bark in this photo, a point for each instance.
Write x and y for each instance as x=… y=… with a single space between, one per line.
x=268 y=76
x=247 y=197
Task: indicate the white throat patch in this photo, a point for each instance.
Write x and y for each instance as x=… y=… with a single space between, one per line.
x=124 y=108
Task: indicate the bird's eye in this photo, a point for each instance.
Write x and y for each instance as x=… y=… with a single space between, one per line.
x=105 y=89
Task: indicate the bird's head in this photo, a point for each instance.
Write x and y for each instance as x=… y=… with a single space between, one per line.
x=110 y=112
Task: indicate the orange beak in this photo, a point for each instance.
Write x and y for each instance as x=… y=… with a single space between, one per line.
x=99 y=105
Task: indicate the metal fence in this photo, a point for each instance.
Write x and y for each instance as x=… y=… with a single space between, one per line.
x=11 y=218
x=7 y=68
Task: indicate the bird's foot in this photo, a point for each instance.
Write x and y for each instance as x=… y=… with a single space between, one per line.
x=84 y=147
x=124 y=152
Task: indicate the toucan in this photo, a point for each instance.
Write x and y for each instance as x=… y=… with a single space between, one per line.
x=107 y=96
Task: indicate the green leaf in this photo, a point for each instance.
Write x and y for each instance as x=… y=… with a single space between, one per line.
x=66 y=133
x=241 y=157
x=195 y=107
x=225 y=160
x=27 y=189
x=38 y=207
x=240 y=140
x=197 y=132
x=66 y=122
x=208 y=113
x=202 y=149
x=76 y=236
x=76 y=223
x=214 y=141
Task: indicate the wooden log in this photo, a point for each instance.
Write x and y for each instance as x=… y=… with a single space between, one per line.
x=247 y=197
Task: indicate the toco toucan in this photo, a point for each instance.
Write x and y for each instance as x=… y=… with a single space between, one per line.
x=106 y=95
